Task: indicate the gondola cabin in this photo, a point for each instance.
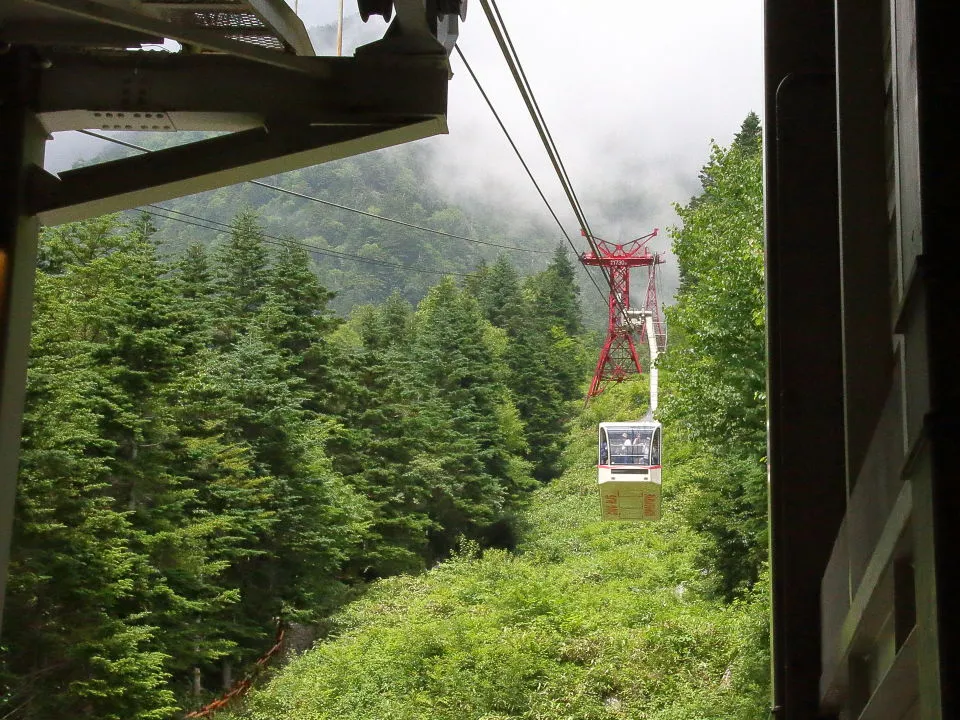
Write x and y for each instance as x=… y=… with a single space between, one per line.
x=629 y=470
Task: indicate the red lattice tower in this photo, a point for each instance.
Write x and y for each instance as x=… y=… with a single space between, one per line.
x=618 y=358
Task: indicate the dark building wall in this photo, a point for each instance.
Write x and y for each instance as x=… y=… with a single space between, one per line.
x=805 y=379
x=881 y=553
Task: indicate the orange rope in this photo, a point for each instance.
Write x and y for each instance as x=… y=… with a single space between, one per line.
x=241 y=687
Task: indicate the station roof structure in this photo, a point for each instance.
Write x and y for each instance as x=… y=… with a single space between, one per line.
x=213 y=25
x=245 y=68
x=243 y=72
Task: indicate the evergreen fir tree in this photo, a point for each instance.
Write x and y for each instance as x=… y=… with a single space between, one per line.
x=557 y=295
x=498 y=294
x=93 y=464
x=295 y=319
x=194 y=276
x=471 y=471
x=240 y=277
x=543 y=373
x=748 y=139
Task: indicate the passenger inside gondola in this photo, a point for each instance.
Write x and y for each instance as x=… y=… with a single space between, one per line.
x=641 y=453
x=623 y=453
x=629 y=446
x=639 y=448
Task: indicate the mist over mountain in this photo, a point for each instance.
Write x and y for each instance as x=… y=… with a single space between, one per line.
x=629 y=159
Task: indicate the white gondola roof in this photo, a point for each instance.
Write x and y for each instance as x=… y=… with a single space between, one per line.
x=630 y=424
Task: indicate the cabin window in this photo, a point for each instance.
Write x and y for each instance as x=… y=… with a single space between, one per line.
x=630 y=445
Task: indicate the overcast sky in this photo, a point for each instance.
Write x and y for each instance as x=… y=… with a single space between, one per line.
x=633 y=93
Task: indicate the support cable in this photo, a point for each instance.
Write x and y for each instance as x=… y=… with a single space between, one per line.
x=513 y=62
x=321 y=201
x=198 y=221
x=523 y=162
x=562 y=170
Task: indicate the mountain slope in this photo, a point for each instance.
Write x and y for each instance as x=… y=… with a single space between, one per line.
x=586 y=620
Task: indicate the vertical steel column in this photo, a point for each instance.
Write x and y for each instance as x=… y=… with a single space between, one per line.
x=938 y=112
x=21 y=146
x=864 y=255
x=805 y=372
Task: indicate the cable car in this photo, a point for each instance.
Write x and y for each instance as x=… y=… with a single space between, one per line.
x=629 y=470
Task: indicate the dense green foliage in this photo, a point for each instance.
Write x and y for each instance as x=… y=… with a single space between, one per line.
x=716 y=364
x=586 y=620
x=541 y=320
x=207 y=449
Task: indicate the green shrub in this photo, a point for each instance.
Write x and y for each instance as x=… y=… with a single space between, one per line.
x=586 y=620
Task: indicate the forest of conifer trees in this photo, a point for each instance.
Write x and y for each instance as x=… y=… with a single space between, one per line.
x=208 y=451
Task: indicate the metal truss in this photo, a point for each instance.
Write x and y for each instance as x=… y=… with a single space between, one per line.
x=280 y=120
x=618 y=357
x=245 y=67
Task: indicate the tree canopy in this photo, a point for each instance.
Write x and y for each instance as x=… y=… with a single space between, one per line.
x=717 y=363
x=208 y=450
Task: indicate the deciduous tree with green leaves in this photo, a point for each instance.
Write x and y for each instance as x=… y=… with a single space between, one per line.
x=717 y=368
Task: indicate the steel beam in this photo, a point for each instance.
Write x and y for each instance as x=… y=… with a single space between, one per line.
x=937 y=108
x=21 y=147
x=74 y=34
x=286 y=120
x=199 y=6
x=206 y=165
x=194 y=36
x=284 y=21
x=209 y=92
x=867 y=347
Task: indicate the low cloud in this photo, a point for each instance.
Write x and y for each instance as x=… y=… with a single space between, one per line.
x=632 y=92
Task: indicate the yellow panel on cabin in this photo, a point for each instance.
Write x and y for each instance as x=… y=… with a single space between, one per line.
x=629 y=500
